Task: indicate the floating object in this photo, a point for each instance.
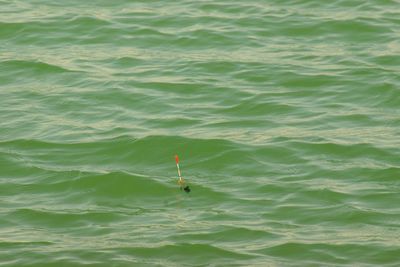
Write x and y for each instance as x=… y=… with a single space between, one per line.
x=181 y=181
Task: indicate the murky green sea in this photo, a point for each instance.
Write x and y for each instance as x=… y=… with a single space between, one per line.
x=285 y=116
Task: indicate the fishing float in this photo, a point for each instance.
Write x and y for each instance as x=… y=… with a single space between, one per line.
x=181 y=181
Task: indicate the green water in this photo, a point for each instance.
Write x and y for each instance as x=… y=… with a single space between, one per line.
x=285 y=115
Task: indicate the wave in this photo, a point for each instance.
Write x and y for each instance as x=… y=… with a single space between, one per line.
x=320 y=253
x=34 y=67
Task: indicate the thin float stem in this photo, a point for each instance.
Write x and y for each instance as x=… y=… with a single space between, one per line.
x=179 y=170
x=181 y=181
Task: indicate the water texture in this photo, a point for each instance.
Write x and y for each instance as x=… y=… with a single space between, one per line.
x=285 y=115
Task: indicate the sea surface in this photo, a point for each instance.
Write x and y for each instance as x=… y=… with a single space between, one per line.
x=285 y=116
